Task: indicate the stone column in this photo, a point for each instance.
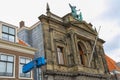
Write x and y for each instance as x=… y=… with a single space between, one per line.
x=73 y=46
x=52 y=48
x=77 y=51
x=68 y=49
x=97 y=57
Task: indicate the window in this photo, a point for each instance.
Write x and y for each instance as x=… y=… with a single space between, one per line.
x=6 y=65
x=24 y=61
x=8 y=33
x=40 y=74
x=60 y=55
x=81 y=55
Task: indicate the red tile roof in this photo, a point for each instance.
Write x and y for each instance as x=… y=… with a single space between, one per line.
x=22 y=43
x=111 y=64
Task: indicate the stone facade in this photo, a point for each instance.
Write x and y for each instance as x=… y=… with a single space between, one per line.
x=67 y=45
x=17 y=56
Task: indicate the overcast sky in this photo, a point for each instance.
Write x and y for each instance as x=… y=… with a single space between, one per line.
x=104 y=13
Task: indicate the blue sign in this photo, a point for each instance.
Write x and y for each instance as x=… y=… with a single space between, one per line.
x=40 y=61
x=36 y=62
x=27 y=67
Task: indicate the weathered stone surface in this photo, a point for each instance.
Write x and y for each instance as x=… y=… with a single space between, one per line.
x=68 y=36
x=73 y=36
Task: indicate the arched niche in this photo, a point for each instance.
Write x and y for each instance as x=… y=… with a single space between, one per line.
x=82 y=53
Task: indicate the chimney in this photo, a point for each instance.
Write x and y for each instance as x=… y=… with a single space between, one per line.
x=22 y=24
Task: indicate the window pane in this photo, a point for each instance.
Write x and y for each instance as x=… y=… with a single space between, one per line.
x=22 y=60
x=9 y=67
x=22 y=74
x=4 y=57
x=5 y=36
x=5 y=29
x=12 y=31
x=58 y=49
x=27 y=61
x=10 y=58
x=20 y=69
x=2 y=66
x=60 y=55
x=60 y=58
x=40 y=70
x=28 y=75
x=11 y=38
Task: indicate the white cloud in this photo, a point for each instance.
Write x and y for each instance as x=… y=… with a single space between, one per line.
x=115 y=55
x=98 y=12
x=14 y=11
x=109 y=29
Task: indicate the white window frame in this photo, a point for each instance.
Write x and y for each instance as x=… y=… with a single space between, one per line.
x=14 y=57
x=8 y=33
x=19 y=69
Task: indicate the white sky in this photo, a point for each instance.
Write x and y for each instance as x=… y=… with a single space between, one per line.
x=104 y=13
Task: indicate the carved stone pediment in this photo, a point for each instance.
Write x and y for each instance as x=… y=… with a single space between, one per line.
x=68 y=18
x=85 y=26
x=71 y=21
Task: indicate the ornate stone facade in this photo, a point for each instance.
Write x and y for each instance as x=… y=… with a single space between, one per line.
x=67 y=48
x=75 y=39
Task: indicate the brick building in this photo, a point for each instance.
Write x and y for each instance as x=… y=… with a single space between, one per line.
x=67 y=45
x=14 y=53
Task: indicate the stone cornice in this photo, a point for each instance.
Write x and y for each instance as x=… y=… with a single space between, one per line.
x=101 y=40
x=16 y=47
x=50 y=19
x=8 y=24
x=71 y=23
x=74 y=74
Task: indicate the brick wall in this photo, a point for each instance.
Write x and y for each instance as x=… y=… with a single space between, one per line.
x=17 y=55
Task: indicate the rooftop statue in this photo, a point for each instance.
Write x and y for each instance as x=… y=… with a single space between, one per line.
x=74 y=13
x=73 y=10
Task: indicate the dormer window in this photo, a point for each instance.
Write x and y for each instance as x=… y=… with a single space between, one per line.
x=8 y=33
